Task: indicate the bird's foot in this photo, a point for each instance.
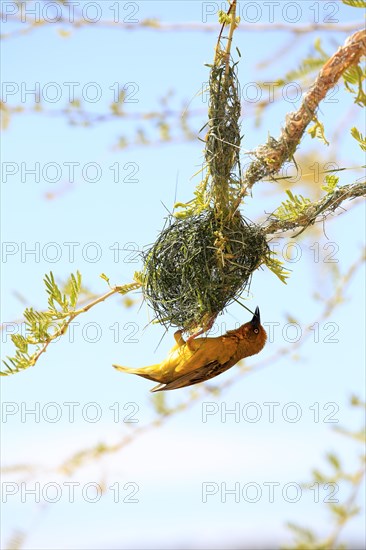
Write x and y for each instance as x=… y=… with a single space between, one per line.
x=201 y=330
x=179 y=338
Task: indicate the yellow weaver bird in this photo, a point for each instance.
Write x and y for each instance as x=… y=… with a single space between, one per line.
x=197 y=360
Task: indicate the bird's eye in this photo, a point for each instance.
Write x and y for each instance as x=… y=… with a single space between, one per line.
x=256 y=330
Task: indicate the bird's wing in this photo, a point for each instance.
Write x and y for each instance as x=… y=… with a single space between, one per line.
x=195 y=377
x=206 y=351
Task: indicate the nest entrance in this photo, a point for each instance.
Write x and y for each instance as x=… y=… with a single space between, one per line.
x=198 y=265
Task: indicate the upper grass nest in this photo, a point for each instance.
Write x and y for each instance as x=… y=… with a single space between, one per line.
x=198 y=265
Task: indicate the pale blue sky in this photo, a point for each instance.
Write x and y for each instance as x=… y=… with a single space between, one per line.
x=169 y=464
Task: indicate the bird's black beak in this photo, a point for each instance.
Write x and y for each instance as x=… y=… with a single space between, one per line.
x=256 y=321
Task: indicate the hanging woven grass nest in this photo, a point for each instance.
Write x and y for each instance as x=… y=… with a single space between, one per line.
x=206 y=257
x=198 y=265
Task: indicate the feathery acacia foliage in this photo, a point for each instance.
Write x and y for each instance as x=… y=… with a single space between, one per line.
x=43 y=327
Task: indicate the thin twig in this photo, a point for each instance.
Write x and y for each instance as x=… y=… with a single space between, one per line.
x=160 y=26
x=233 y=25
x=71 y=316
x=311 y=213
x=68 y=317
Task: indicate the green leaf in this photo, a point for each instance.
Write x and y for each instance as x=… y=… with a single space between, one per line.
x=340 y=511
x=277 y=267
x=55 y=294
x=354 y=77
x=307 y=67
x=291 y=209
x=356 y=134
x=334 y=461
x=75 y=288
x=224 y=18
x=319 y=49
x=318 y=476
x=124 y=289
x=302 y=532
x=317 y=131
x=331 y=183
x=357 y=402
x=105 y=278
x=20 y=342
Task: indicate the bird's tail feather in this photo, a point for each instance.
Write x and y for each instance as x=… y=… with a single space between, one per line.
x=159 y=387
x=124 y=369
x=139 y=372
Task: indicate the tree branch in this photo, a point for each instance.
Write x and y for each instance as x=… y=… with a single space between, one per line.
x=311 y=213
x=162 y=26
x=271 y=156
x=42 y=339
